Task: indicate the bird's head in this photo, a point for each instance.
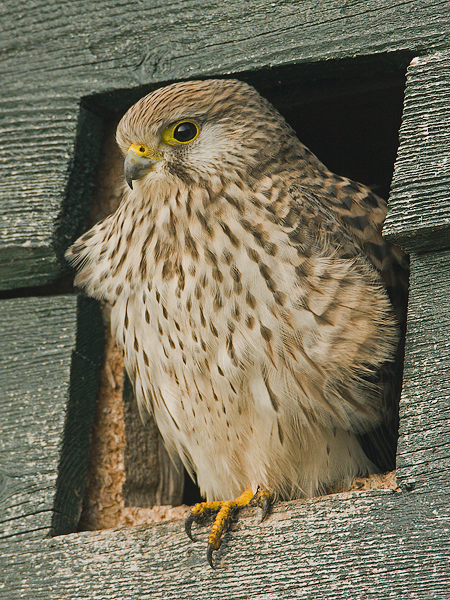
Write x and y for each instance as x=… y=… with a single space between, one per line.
x=212 y=130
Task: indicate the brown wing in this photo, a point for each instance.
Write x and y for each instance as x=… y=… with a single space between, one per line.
x=350 y=216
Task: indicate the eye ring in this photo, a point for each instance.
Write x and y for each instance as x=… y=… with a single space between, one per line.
x=185 y=132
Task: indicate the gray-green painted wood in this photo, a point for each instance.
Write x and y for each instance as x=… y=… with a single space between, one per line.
x=375 y=545
x=423 y=456
x=419 y=205
x=49 y=368
x=62 y=66
x=56 y=55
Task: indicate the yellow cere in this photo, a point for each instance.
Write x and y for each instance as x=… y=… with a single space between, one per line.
x=139 y=149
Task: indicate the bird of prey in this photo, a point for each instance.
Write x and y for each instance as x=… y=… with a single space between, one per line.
x=258 y=307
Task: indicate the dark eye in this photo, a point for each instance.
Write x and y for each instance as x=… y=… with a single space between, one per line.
x=185 y=132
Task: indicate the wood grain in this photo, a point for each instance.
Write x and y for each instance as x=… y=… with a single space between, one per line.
x=423 y=456
x=65 y=67
x=419 y=205
x=49 y=365
x=350 y=546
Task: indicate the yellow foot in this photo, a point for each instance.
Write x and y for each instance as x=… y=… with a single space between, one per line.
x=225 y=510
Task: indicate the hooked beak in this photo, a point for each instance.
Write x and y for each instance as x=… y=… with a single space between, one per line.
x=136 y=166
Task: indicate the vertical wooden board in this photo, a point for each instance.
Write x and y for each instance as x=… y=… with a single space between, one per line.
x=423 y=456
x=51 y=353
x=419 y=205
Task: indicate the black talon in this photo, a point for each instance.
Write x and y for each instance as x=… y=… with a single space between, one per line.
x=188 y=526
x=209 y=555
x=224 y=511
x=266 y=505
x=264 y=501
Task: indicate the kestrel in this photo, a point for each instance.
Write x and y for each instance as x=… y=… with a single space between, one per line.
x=251 y=297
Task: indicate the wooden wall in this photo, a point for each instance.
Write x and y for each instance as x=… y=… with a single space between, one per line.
x=68 y=67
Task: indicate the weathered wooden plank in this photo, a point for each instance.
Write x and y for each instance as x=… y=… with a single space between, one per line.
x=45 y=184
x=367 y=545
x=49 y=364
x=424 y=444
x=56 y=53
x=80 y=43
x=350 y=546
x=419 y=206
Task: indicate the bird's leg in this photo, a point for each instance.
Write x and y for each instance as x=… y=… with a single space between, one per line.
x=225 y=510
